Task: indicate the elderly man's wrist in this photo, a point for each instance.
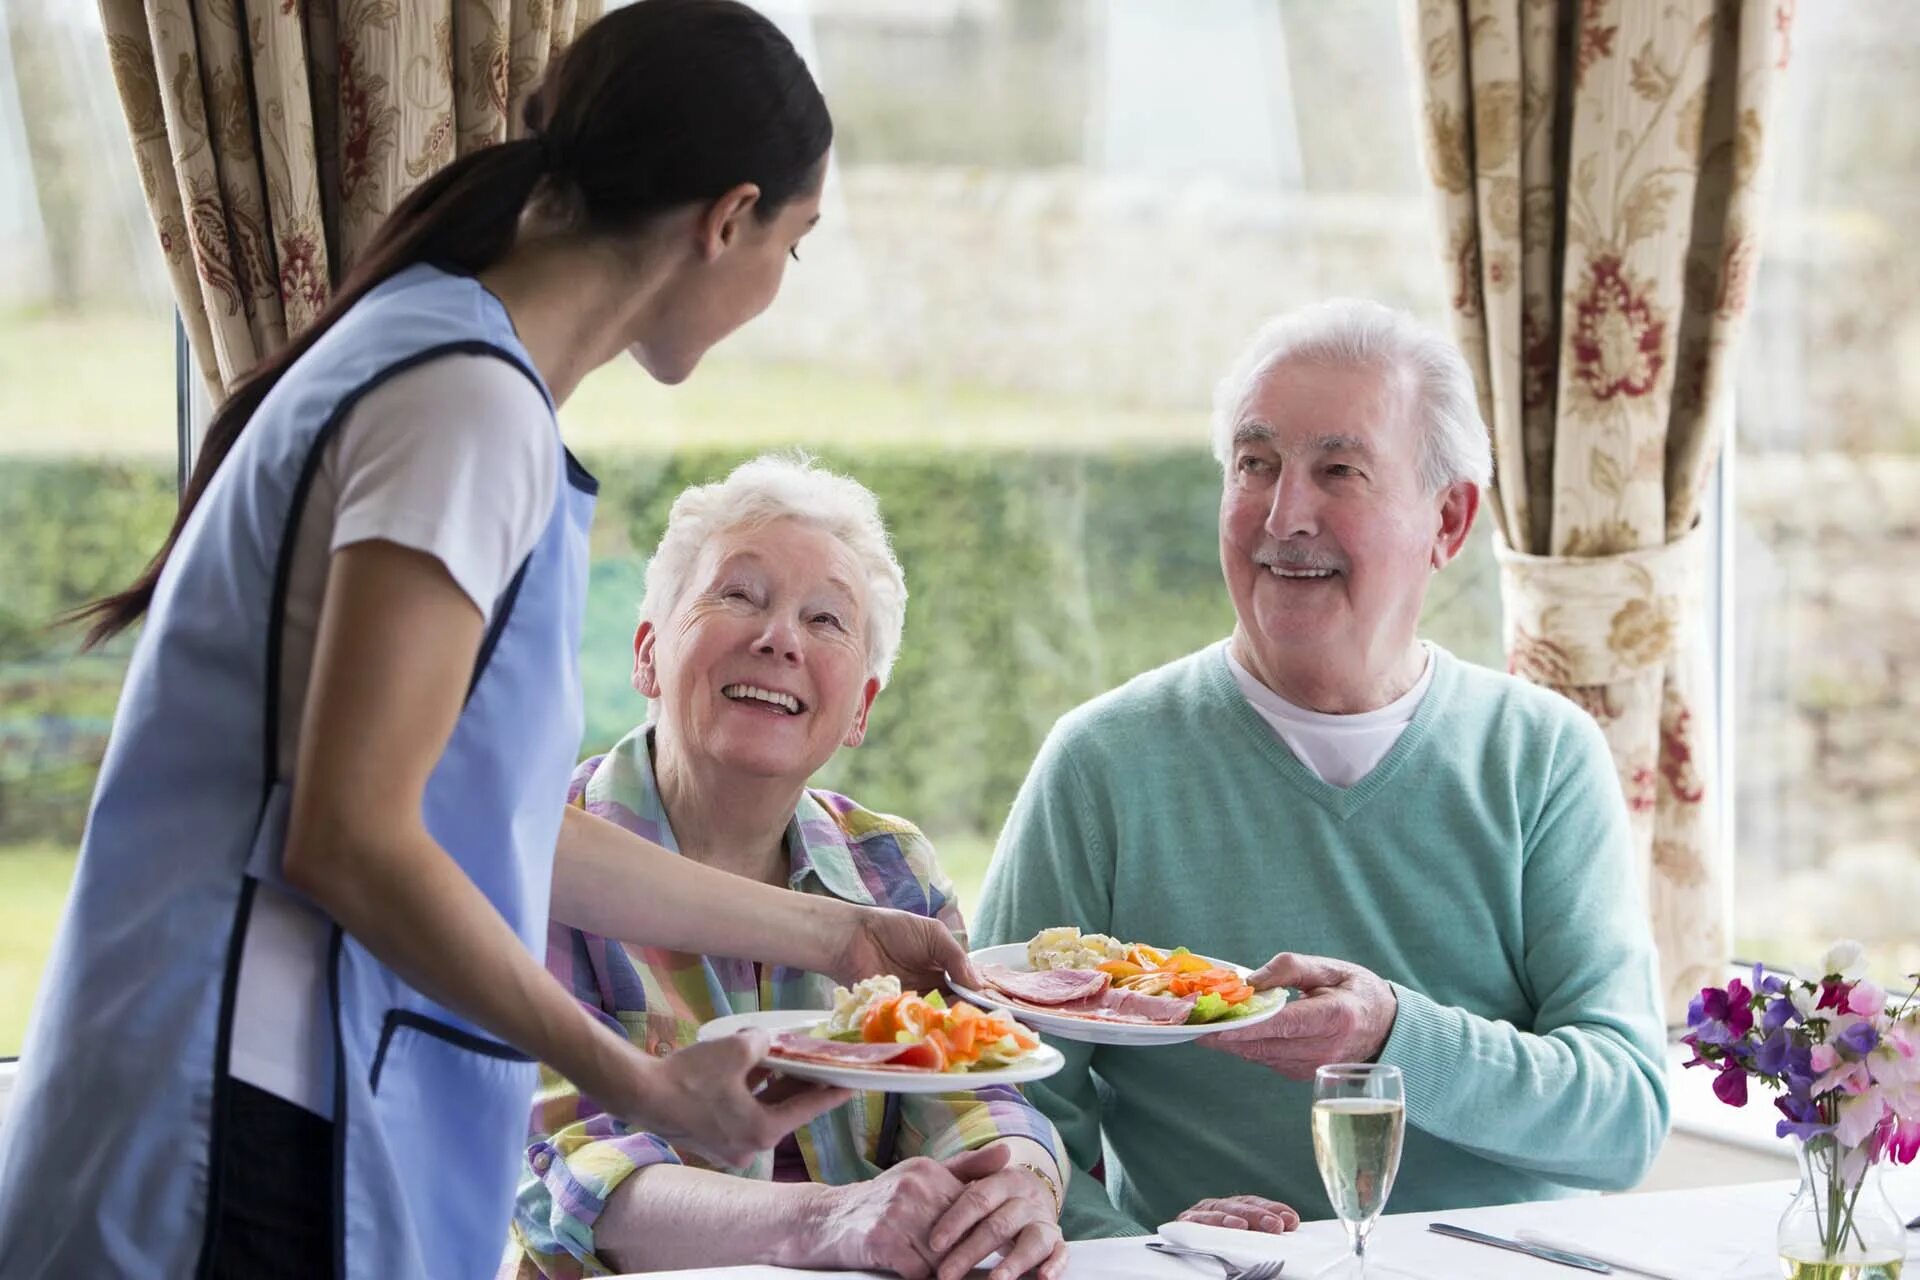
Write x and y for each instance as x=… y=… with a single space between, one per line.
x=1386 y=1028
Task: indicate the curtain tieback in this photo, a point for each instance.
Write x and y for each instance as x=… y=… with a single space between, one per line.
x=1596 y=620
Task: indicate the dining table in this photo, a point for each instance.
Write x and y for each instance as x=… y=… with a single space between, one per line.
x=1700 y=1233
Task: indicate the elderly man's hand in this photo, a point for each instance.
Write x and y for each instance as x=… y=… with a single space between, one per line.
x=1244 y=1213
x=1344 y=1014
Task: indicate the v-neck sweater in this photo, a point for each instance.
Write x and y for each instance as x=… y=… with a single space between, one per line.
x=1484 y=867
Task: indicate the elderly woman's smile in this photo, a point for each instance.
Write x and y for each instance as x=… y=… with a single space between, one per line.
x=772 y=700
x=762 y=667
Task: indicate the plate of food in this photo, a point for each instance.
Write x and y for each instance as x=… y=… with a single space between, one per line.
x=1099 y=990
x=881 y=1038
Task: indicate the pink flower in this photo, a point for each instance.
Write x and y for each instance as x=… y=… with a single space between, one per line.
x=1857 y=1118
x=1867 y=999
x=1904 y=1144
x=1825 y=1059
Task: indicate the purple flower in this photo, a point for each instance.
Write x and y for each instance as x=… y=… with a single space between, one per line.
x=1774 y=1055
x=1858 y=1040
x=1765 y=983
x=1802 y=1118
x=1777 y=1014
x=1720 y=1017
x=1730 y=1086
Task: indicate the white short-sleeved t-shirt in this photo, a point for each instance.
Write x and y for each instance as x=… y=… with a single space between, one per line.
x=454 y=458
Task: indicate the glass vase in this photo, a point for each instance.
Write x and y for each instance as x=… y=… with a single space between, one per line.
x=1840 y=1226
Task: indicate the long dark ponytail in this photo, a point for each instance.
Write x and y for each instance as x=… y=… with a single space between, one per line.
x=656 y=105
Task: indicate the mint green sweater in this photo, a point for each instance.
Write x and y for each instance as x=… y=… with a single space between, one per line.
x=1483 y=868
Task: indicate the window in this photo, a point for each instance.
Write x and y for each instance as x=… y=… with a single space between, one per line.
x=87 y=448
x=1826 y=482
x=1048 y=228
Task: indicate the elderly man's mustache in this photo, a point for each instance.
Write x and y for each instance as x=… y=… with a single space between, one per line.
x=1277 y=555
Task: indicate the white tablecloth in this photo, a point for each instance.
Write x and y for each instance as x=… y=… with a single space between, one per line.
x=1712 y=1232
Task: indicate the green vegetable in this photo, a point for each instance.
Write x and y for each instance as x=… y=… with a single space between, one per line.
x=937 y=1000
x=1211 y=1008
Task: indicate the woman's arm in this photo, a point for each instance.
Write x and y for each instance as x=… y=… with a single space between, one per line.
x=395 y=647
x=608 y=881
x=668 y=1216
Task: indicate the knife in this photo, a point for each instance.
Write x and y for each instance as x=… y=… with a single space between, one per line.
x=1539 y=1251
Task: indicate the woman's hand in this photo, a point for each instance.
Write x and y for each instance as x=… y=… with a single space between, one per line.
x=713 y=1096
x=883 y=1222
x=1005 y=1208
x=1244 y=1213
x=863 y=941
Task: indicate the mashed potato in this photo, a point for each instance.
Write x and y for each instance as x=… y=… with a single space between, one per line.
x=1066 y=947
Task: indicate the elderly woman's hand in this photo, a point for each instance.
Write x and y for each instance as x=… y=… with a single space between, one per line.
x=882 y=1222
x=1244 y=1213
x=920 y=950
x=1005 y=1208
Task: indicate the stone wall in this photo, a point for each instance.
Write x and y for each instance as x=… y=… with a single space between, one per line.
x=1118 y=291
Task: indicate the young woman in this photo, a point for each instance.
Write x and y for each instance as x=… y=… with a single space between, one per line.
x=290 y=1022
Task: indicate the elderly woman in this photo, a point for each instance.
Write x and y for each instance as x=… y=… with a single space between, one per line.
x=772 y=615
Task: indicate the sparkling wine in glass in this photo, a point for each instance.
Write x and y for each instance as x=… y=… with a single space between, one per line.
x=1359 y=1121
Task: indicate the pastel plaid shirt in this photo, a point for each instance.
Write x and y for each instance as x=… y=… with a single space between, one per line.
x=577 y=1154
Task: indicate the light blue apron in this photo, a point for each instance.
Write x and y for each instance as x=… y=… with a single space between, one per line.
x=108 y=1160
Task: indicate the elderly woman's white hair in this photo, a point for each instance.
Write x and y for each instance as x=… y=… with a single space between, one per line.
x=784 y=487
x=1351 y=331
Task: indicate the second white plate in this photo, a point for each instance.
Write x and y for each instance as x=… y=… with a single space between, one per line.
x=1044 y=1062
x=1087 y=1030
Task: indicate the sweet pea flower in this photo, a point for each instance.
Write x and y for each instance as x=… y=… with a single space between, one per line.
x=1774 y=1055
x=1721 y=1017
x=1767 y=984
x=1806 y=1004
x=1803 y=1119
x=1845 y=958
x=1904 y=1143
x=1867 y=999
x=1730 y=1086
x=1857 y=1117
x=1858 y=1040
x=1777 y=1014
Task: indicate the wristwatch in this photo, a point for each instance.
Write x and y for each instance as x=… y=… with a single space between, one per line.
x=1047 y=1180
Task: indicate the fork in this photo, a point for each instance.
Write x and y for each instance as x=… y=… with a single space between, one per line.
x=1253 y=1271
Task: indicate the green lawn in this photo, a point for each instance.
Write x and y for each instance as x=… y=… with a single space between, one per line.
x=33 y=888
x=102 y=382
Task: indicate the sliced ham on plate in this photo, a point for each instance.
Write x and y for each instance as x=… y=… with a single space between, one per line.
x=1084 y=993
x=804 y=1046
x=1046 y=987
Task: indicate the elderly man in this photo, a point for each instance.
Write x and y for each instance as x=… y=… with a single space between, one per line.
x=1326 y=784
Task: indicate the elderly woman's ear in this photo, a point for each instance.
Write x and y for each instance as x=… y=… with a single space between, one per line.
x=857 y=731
x=646 y=677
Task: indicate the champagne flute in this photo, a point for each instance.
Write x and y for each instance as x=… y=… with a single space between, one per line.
x=1359 y=1121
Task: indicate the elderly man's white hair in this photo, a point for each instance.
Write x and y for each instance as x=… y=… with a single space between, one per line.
x=784 y=487
x=1351 y=331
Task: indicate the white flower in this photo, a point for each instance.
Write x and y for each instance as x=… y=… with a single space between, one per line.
x=1846 y=958
x=1803 y=1002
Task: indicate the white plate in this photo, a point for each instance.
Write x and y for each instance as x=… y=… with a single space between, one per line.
x=1098 y=1030
x=1044 y=1062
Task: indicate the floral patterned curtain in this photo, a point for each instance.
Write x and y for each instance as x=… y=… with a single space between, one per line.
x=272 y=136
x=1597 y=167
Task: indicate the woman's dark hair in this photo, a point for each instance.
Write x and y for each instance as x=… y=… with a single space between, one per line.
x=656 y=105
